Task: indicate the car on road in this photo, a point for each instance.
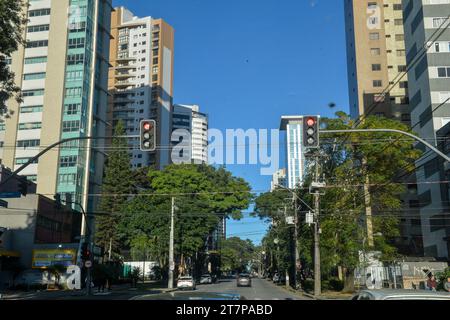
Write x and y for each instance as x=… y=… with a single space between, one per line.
x=400 y=294
x=206 y=279
x=244 y=280
x=186 y=282
x=278 y=279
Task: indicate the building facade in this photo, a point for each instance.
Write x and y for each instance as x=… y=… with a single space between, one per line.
x=141 y=81
x=62 y=71
x=378 y=85
x=190 y=118
x=376 y=57
x=427 y=37
x=295 y=153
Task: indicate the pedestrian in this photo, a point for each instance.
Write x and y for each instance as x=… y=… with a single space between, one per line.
x=431 y=283
x=447 y=285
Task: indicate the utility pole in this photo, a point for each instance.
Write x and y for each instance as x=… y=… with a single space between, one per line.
x=171 y=245
x=317 y=275
x=367 y=204
x=296 y=245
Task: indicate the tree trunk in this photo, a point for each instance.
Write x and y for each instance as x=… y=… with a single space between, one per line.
x=349 y=280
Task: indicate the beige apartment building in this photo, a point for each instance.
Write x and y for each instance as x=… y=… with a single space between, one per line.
x=140 y=81
x=378 y=85
x=376 y=58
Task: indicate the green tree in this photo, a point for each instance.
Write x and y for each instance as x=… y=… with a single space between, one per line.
x=236 y=254
x=201 y=192
x=12 y=21
x=347 y=160
x=117 y=186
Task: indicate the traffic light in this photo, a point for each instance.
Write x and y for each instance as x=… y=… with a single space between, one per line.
x=23 y=186
x=85 y=252
x=148 y=135
x=311 y=131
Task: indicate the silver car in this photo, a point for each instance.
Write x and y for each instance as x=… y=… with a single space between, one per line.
x=393 y=294
x=206 y=279
x=186 y=282
x=244 y=280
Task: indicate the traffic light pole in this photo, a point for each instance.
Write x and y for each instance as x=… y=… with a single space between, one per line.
x=40 y=154
x=446 y=158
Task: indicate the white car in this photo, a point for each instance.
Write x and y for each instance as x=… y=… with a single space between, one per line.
x=206 y=279
x=186 y=282
x=400 y=294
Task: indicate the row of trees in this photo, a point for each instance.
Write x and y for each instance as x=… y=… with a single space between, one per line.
x=346 y=163
x=136 y=205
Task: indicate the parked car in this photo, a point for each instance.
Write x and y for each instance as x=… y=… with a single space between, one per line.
x=244 y=280
x=186 y=282
x=400 y=294
x=278 y=279
x=206 y=279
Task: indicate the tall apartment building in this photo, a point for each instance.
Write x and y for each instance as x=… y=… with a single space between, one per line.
x=190 y=118
x=140 y=81
x=375 y=57
x=62 y=71
x=378 y=85
x=427 y=37
x=295 y=153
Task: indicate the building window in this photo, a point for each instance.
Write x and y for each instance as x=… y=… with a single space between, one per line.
x=31 y=109
x=37 y=44
x=72 y=108
x=34 y=60
x=377 y=83
x=39 y=28
x=74 y=92
x=375 y=51
x=376 y=67
x=21 y=161
x=28 y=143
x=70 y=126
x=76 y=43
x=30 y=125
x=403 y=84
x=443 y=72
x=438 y=22
x=401 y=68
x=401 y=53
x=33 y=93
x=38 y=13
x=399 y=37
x=374 y=36
x=74 y=59
x=68 y=161
x=34 y=76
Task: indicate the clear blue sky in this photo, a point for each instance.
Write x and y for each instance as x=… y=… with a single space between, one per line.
x=247 y=62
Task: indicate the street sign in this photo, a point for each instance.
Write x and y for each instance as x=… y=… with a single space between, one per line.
x=10 y=195
x=88 y=264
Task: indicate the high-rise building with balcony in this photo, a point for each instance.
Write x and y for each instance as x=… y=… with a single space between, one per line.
x=427 y=37
x=376 y=58
x=378 y=85
x=62 y=71
x=140 y=81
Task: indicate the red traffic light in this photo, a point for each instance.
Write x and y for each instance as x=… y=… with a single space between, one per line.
x=310 y=122
x=147 y=126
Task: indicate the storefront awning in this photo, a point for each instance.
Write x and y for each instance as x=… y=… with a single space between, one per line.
x=8 y=254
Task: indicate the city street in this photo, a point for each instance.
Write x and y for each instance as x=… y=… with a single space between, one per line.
x=261 y=289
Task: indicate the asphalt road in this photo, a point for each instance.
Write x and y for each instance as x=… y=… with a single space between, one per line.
x=261 y=289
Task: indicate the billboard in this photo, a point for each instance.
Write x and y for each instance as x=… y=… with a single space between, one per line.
x=44 y=258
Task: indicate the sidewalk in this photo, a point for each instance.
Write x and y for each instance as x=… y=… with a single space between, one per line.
x=117 y=291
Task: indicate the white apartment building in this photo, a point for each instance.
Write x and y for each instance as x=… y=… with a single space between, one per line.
x=295 y=154
x=190 y=118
